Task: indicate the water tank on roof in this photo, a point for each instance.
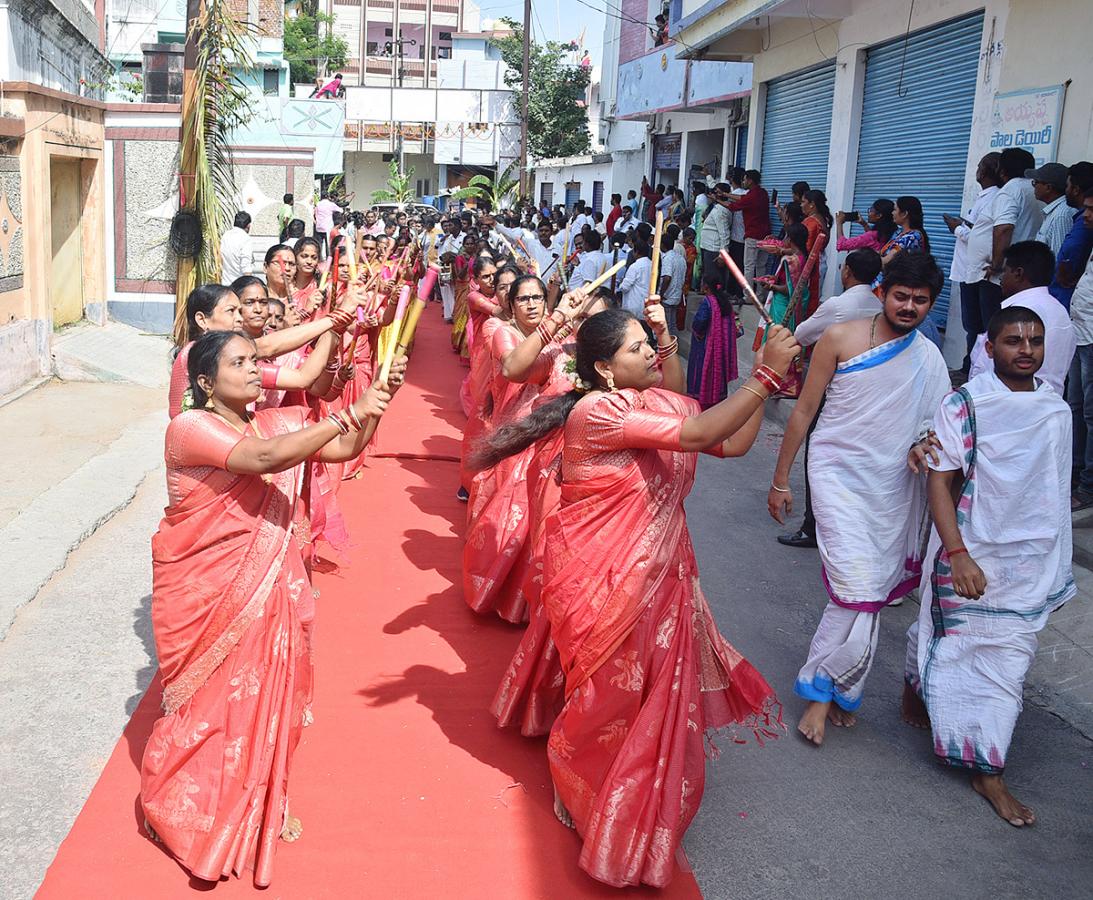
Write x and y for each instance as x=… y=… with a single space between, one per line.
x=162 y=72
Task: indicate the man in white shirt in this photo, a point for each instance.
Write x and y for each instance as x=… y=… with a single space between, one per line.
x=857 y=301
x=736 y=232
x=716 y=231
x=615 y=252
x=1017 y=213
x=673 y=278
x=1049 y=185
x=539 y=243
x=373 y=224
x=635 y=286
x=235 y=252
x=591 y=263
x=449 y=249
x=1029 y=267
x=627 y=220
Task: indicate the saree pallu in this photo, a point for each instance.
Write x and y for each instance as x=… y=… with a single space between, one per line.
x=647 y=672
x=480 y=400
x=532 y=691
x=496 y=553
x=364 y=366
x=230 y=599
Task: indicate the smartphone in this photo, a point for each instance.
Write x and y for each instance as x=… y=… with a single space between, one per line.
x=774 y=197
x=851 y=216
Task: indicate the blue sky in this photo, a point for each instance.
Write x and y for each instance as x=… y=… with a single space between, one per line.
x=547 y=14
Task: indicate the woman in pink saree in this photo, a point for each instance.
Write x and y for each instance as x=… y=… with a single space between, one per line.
x=486 y=312
x=647 y=674
x=496 y=555
x=230 y=603
x=531 y=693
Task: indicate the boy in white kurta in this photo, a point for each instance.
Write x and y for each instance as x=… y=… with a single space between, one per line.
x=999 y=557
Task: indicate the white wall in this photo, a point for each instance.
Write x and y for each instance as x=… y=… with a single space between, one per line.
x=366 y=172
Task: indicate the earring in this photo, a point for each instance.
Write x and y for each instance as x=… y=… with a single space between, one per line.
x=209 y=403
x=610 y=379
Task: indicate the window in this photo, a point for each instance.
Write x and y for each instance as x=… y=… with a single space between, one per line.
x=372 y=47
x=423 y=185
x=442 y=52
x=546 y=193
x=271 y=82
x=387 y=32
x=444 y=36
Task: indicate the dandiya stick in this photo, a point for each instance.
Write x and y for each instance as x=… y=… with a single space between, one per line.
x=743 y=282
x=348 y=355
x=654 y=272
x=531 y=259
x=400 y=315
x=604 y=278
x=333 y=273
x=410 y=326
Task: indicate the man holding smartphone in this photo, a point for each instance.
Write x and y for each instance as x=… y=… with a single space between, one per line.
x=755 y=205
x=716 y=232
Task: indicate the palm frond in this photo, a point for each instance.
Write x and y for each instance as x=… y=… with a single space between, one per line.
x=221 y=103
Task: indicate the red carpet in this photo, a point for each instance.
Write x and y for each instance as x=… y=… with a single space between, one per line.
x=405 y=786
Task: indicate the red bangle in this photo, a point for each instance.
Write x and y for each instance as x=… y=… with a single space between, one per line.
x=953 y=553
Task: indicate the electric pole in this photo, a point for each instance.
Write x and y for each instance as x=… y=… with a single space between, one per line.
x=524 y=102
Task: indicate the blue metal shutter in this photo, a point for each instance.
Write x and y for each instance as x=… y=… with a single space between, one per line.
x=741 y=146
x=916 y=126
x=572 y=194
x=597 y=196
x=797 y=130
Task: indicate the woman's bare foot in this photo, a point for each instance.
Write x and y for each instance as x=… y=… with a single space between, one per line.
x=561 y=812
x=151 y=832
x=811 y=724
x=840 y=717
x=912 y=710
x=994 y=789
x=293 y=829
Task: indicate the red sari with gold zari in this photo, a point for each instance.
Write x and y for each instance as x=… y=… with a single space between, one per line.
x=230 y=599
x=647 y=672
x=496 y=555
x=532 y=692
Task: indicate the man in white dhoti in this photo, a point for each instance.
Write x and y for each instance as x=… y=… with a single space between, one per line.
x=883 y=382
x=998 y=562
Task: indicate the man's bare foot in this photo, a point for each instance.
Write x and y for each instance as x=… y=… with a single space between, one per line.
x=912 y=710
x=994 y=789
x=840 y=717
x=811 y=724
x=293 y=829
x=561 y=812
x=152 y=832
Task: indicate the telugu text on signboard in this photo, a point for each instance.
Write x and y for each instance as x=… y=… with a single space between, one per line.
x=1029 y=119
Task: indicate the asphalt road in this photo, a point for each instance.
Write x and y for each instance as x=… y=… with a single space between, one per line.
x=870 y=814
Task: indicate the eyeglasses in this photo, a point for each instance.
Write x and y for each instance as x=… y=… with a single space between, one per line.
x=529 y=298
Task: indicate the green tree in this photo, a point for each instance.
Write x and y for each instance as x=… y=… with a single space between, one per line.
x=400 y=186
x=492 y=192
x=557 y=113
x=309 y=39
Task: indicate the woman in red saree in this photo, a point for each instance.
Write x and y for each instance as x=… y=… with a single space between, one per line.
x=486 y=313
x=496 y=555
x=531 y=693
x=647 y=674
x=230 y=601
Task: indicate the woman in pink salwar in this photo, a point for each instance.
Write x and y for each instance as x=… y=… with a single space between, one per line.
x=496 y=554
x=230 y=600
x=647 y=674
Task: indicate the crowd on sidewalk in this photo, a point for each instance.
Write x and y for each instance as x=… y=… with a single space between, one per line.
x=580 y=446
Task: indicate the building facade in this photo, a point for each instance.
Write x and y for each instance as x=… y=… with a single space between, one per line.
x=52 y=179
x=671 y=119
x=863 y=103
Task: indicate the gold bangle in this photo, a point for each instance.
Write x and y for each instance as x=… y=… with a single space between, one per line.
x=751 y=390
x=778 y=489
